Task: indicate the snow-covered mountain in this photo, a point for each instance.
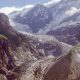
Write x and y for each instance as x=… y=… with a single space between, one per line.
x=56 y=18
x=68 y=34
x=36 y=18
x=65 y=12
x=52 y=15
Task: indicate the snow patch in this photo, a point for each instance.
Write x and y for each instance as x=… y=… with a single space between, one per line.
x=72 y=11
x=52 y=2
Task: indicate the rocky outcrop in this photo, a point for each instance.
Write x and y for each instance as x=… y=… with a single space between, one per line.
x=10 y=69
x=8 y=31
x=2 y=77
x=48 y=45
x=22 y=52
x=69 y=34
x=37 y=69
x=18 y=42
x=66 y=67
x=7 y=64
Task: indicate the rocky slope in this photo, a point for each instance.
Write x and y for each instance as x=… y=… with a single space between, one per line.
x=7 y=62
x=37 y=69
x=41 y=57
x=69 y=34
x=18 y=41
x=66 y=67
x=22 y=52
x=48 y=45
x=25 y=49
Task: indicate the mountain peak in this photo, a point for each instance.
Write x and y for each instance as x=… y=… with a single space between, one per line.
x=36 y=18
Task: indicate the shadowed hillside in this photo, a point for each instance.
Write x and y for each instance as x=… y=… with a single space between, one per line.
x=66 y=67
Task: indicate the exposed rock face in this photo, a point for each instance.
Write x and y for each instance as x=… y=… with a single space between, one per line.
x=8 y=31
x=7 y=64
x=66 y=67
x=13 y=64
x=2 y=77
x=18 y=42
x=19 y=47
x=19 y=54
x=69 y=34
x=10 y=70
x=37 y=69
x=48 y=45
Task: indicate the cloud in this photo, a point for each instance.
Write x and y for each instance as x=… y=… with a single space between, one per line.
x=52 y=2
x=8 y=10
x=72 y=11
x=28 y=6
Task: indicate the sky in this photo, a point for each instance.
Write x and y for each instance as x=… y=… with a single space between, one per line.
x=19 y=3
x=8 y=6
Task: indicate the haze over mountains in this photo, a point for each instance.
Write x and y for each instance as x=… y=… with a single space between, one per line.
x=41 y=42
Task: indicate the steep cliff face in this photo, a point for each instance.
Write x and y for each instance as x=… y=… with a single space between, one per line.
x=7 y=30
x=65 y=68
x=7 y=63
